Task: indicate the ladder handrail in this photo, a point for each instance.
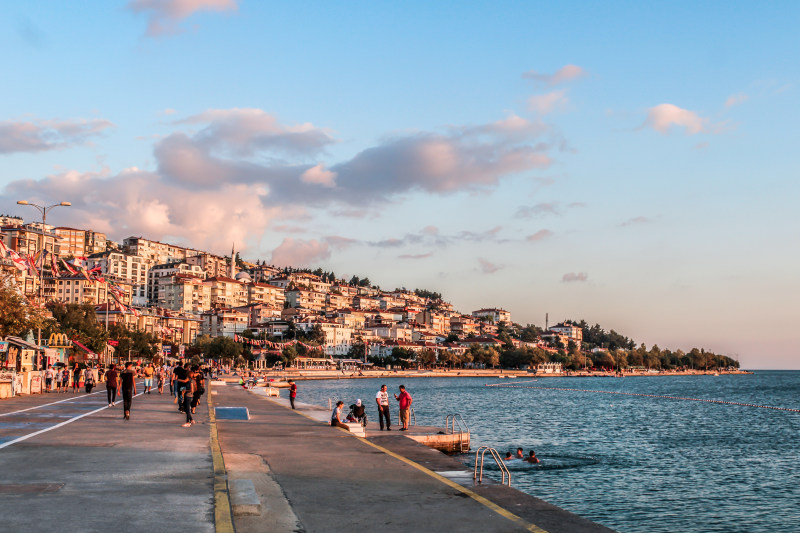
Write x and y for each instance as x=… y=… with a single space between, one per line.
x=497 y=459
x=456 y=418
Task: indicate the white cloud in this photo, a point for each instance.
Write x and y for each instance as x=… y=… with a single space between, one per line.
x=564 y=74
x=163 y=16
x=300 y=253
x=540 y=235
x=663 y=117
x=488 y=267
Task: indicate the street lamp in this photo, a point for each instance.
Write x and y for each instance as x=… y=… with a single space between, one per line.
x=43 y=209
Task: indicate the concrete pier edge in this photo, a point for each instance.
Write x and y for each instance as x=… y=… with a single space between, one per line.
x=223 y=518
x=533 y=528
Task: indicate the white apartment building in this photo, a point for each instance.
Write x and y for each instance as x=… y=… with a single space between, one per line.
x=160 y=274
x=157 y=253
x=266 y=293
x=185 y=293
x=223 y=322
x=119 y=266
x=494 y=314
x=79 y=290
x=306 y=299
x=570 y=331
x=212 y=265
x=227 y=292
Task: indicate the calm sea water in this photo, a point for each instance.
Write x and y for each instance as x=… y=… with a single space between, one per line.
x=632 y=463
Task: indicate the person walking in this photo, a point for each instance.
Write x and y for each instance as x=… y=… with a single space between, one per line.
x=112 y=385
x=199 y=386
x=76 y=378
x=292 y=392
x=48 y=378
x=160 y=376
x=88 y=379
x=181 y=383
x=65 y=379
x=382 y=399
x=188 y=393
x=148 y=378
x=404 y=401
x=128 y=386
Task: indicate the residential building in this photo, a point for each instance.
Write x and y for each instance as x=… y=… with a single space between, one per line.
x=71 y=242
x=120 y=266
x=184 y=292
x=464 y=325
x=160 y=274
x=157 y=253
x=79 y=290
x=223 y=322
x=227 y=292
x=366 y=302
x=305 y=298
x=435 y=321
x=494 y=315
x=212 y=265
x=571 y=331
x=266 y=293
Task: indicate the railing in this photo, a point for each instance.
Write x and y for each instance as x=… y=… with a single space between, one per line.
x=478 y=474
x=332 y=401
x=413 y=416
x=450 y=423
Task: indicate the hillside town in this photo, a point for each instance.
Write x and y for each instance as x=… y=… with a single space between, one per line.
x=178 y=295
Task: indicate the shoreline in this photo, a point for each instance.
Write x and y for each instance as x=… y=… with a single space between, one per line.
x=319 y=374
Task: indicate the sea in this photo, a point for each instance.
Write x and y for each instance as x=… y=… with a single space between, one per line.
x=636 y=454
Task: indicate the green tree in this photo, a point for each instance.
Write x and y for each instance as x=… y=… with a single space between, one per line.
x=17 y=316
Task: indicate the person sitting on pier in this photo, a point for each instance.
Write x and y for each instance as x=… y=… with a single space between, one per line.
x=532 y=458
x=336 y=416
x=358 y=413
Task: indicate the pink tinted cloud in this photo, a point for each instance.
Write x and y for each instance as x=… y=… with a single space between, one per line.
x=488 y=267
x=736 y=99
x=415 y=256
x=636 y=220
x=36 y=135
x=565 y=74
x=319 y=175
x=540 y=235
x=163 y=16
x=664 y=117
x=571 y=277
x=300 y=252
x=544 y=104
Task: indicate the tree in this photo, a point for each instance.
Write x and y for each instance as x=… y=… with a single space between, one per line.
x=17 y=316
x=224 y=348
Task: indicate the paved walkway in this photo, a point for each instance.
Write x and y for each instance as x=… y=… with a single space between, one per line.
x=88 y=470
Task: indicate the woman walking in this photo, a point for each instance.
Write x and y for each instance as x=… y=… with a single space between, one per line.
x=188 y=394
x=128 y=386
x=76 y=378
x=112 y=385
x=199 y=386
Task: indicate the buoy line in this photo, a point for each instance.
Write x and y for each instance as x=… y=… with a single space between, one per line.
x=660 y=396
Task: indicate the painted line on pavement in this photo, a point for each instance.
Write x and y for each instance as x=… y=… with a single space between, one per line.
x=533 y=528
x=223 y=519
x=45 y=430
x=84 y=395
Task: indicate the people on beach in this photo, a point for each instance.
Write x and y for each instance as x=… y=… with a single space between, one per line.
x=336 y=416
x=382 y=399
x=532 y=458
x=128 y=386
x=112 y=385
x=404 y=404
x=292 y=392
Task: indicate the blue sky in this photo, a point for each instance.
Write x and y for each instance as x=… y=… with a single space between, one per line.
x=629 y=164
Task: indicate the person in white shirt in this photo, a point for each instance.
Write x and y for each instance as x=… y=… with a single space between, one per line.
x=48 y=378
x=382 y=399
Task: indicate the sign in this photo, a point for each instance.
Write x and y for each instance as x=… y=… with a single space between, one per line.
x=7 y=377
x=182 y=349
x=3 y=346
x=167 y=350
x=59 y=340
x=36 y=383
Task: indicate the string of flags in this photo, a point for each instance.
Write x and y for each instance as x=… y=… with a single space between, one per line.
x=274 y=345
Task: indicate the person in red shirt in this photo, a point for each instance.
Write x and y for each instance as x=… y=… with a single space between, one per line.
x=404 y=400
x=111 y=385
x=292 y=392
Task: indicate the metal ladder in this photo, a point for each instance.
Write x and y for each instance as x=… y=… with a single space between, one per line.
x=450 y=422
x=478 y=475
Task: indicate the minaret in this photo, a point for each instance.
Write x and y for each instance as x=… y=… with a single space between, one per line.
x=233 y=261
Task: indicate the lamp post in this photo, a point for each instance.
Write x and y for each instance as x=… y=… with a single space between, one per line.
x=43 y=209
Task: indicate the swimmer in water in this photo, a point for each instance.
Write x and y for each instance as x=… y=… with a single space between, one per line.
x=532 y=458
x=508 y=457
x=519 y=454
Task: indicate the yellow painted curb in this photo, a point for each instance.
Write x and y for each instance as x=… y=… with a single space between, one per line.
x=223 y=519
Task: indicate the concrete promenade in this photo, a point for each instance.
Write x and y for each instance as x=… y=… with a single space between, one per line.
x=69 y=463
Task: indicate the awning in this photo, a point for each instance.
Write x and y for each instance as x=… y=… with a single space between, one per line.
x=84 y=348
x=22 y=343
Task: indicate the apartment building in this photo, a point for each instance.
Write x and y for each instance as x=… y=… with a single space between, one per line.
x=463 y=325
x=161 y=274
x=79 y=290
x=570 y=331
x=227 y=292
x=123 y=267
x=157 y=253
x=223 y=322
x=184 y=292
x=495 y=315
x=266 y=293
x=307 y=299
x=212 y=265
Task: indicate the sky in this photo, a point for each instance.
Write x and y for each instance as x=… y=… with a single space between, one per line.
x=631 y=164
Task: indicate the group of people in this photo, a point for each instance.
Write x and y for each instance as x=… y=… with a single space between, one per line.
x=59 y=380
x=531 y=458
x=404 y=400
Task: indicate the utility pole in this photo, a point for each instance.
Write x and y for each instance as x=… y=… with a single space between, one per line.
x=43 y=210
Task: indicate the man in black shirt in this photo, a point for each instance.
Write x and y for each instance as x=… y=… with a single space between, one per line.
x=181 y=383
x=128 y=389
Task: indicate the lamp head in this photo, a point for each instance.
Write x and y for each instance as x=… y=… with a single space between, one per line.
x=66 y=204
x=22 y=202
